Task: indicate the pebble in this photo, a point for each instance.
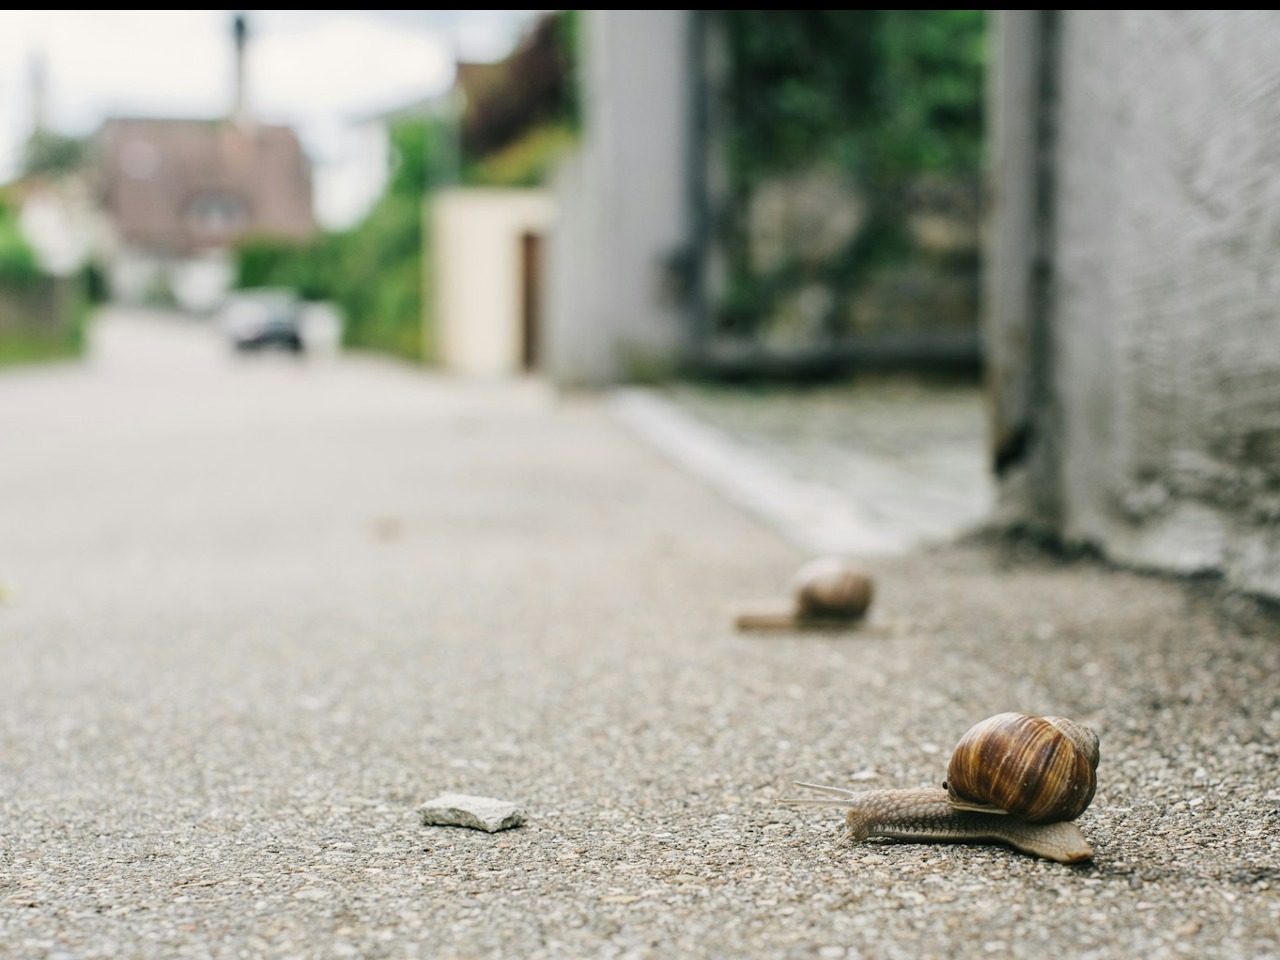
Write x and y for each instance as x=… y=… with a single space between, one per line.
x=478 y=813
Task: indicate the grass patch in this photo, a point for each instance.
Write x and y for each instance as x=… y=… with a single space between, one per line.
x=22 y=348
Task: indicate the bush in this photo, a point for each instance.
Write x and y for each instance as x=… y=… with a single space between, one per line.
x=31 y=345
x=17 y=260
x=380 y=267
x=282 y=262
x=525 y=163
x=94 y=281
x=53 y=154
x=50 y=320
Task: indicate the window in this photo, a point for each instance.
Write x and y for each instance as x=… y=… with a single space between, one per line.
x=218 y=212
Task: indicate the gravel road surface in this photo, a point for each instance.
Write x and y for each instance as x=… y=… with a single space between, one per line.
x=256 y=612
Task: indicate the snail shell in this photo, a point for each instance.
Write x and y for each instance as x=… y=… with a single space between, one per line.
x=830 y=587
x=1039 y=769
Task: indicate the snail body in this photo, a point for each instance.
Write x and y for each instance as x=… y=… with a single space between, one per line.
x=927 y=816
x=1005 y=771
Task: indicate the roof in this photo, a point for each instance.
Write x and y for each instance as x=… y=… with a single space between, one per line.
x=480 y=79
x=507 y=99
x=180 y=186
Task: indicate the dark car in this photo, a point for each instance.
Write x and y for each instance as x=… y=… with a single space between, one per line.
x=256 y=319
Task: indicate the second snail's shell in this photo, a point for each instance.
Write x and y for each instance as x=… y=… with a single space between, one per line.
x=1039 y=769
x=831 y=587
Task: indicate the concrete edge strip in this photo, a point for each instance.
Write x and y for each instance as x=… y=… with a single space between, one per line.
x=814 y=517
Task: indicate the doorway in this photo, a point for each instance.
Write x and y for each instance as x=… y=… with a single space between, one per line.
x=531 y=266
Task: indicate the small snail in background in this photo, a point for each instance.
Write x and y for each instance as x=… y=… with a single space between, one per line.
x=828 y=591
x=1013 y=779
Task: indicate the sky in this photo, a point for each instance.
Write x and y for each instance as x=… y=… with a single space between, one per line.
x=316 y=69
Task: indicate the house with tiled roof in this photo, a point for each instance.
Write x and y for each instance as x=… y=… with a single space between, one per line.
x=178 y=194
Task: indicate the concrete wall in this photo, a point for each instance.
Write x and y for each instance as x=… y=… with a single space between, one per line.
x=614 y=310
x=478 y=275
x=1134 y=310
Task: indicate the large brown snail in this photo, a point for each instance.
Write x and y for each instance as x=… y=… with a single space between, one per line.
x=828 y=591
x=1013 y=779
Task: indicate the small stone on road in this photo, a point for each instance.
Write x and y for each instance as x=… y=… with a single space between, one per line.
x=479 y=813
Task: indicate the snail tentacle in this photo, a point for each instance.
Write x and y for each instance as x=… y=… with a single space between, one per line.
x=821 y=788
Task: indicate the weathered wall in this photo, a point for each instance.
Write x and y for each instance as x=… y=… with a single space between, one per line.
x=1158 y=328
x=624 y=203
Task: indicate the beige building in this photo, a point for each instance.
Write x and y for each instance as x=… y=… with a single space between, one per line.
x=487 y=262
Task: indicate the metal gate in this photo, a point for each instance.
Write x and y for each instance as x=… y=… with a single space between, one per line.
x=841 y=189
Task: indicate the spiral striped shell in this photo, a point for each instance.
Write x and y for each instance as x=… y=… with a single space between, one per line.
x=1039 y=769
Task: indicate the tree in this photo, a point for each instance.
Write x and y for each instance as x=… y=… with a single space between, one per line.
x=52 y=154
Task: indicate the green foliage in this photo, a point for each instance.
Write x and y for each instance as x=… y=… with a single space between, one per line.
x=883 y=94
x=798 y=82
x=373 y=272
x=94 y=282
x=266 y=261
x=35 y=335
x=379 y=267
x=17 y=260
x=885 y=99
x=50 y=322
x=21 y=345
x=930 y=95
x=420 y=152
x=527 y=162
x=52 y=154
x=569 y=26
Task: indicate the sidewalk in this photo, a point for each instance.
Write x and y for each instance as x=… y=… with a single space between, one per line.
x=256 y=614
x=876 y=467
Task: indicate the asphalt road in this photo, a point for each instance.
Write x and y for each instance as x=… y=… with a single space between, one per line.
x=255 y=612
